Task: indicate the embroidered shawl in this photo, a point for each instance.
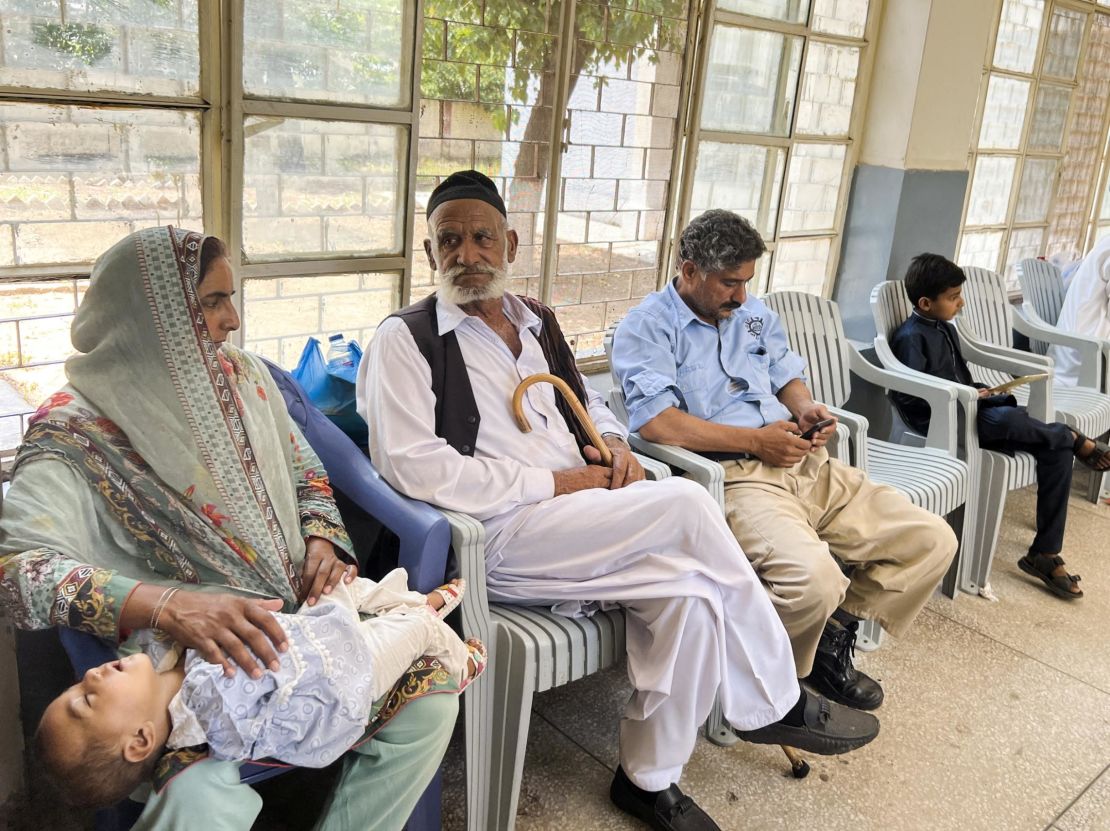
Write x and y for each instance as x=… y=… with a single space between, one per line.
x=165 y=459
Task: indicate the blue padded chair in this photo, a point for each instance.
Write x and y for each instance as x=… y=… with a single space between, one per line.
x=425 y=539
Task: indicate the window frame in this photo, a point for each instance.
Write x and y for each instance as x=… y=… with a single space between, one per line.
x=1036 y=79
x=693 y=134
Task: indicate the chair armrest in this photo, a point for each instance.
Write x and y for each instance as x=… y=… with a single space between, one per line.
x=706 y=472
x=468 y=539
x=1015 y=362
x=852 y=431
x=941 y=396
x=1004 y=358
x=1090 y=352
x=653 y=468
x=424 y=533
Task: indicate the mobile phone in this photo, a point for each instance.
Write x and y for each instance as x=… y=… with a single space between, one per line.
x=820 y=425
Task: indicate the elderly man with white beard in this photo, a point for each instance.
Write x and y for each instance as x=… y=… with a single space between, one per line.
x=565 y=532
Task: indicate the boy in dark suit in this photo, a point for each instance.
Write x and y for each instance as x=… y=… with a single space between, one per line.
x=928 y=342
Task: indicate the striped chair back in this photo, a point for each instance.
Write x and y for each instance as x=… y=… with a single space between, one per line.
x=987 y=315
x=816 y=333
x=1042 y=287
x=890 y=306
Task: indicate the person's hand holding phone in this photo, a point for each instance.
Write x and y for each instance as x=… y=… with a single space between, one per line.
x=817 y=428
x=817 y=425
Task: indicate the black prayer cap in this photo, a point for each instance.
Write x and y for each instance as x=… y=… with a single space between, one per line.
x=466 y=184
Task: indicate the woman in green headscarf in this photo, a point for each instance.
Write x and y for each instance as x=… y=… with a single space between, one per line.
x=166 y=491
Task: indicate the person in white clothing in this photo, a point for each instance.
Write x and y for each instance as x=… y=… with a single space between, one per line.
x=1086 y=309
x=566 y=532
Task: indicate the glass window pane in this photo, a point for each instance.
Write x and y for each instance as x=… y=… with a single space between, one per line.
x=1019 y=32
x=990 y=190
x=751 y=81
x=322 y=187
x=34 y=339
x=812 y=187
x=828 y=89
x=1084 y=145
x=1035 y=192
x=1004 y=113
x=745 y=178
x=616 y=166
x=122 y=45
x=1050 y=114
x=1065 y=35
x=840 y=17
x=792 y=11
x=1025 y=243
x=801 y=265
x=280 y=314
x=489 y=107
x=981 y=249
x=73 y=180
x=356 y=51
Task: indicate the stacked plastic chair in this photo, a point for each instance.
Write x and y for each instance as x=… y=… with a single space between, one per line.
x=987 y=323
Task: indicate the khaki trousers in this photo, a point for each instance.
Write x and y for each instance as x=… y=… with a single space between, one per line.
x=792 y=522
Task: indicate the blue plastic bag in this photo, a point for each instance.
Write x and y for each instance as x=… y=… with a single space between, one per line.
x=333 y=391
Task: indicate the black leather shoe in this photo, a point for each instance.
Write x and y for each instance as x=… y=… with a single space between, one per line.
x=827 y=729
x=669 y=810
x=835 y=677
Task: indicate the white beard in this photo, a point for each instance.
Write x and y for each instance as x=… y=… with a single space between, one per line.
x=461 y=295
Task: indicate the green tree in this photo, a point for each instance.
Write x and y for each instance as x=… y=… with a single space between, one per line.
x=87 y=42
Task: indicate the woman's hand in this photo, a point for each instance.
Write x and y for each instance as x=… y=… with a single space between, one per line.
x=226 y=629
x=322 y=570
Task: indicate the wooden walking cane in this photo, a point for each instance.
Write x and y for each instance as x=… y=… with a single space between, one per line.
x=798 y=766
x=575 y=405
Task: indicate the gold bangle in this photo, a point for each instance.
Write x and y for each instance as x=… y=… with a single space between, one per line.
x=160 y=606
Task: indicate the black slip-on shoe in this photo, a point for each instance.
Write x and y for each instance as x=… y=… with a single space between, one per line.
x=834 y=675
x=669 y=810
x=828 y=729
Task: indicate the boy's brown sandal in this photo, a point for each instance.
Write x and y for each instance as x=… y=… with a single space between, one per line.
x=1097 y=458
x=1041 y=566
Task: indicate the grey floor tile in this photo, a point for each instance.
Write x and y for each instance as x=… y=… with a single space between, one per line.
x=1091 y=811
x=975 y=738
x=1068 y=635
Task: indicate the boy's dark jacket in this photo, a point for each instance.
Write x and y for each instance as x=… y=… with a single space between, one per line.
x=933 y=347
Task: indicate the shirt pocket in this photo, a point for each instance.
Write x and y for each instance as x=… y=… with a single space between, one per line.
x=692 y=380
x=757 y=372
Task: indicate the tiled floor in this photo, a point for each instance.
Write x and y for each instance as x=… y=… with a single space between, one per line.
x=997 y=718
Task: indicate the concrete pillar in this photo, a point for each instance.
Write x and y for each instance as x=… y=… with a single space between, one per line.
x=908 y=186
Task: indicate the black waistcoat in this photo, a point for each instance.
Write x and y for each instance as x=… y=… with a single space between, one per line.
x=457 y=415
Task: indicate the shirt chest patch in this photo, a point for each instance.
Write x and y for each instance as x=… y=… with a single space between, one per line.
x=754 y=325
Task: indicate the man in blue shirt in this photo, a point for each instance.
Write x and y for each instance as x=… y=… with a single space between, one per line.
x=706 y=366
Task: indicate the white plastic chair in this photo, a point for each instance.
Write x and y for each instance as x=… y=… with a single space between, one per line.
x=1042 y=289
x=531 y=649
x=988 y=321
x=993 y=474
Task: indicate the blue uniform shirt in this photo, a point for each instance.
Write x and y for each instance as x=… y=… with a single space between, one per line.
x=665 y=356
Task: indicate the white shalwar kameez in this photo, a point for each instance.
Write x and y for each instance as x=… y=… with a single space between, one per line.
x=1086 y=309
x=697 y=616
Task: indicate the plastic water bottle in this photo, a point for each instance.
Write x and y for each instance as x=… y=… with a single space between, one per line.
x=339 y=353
